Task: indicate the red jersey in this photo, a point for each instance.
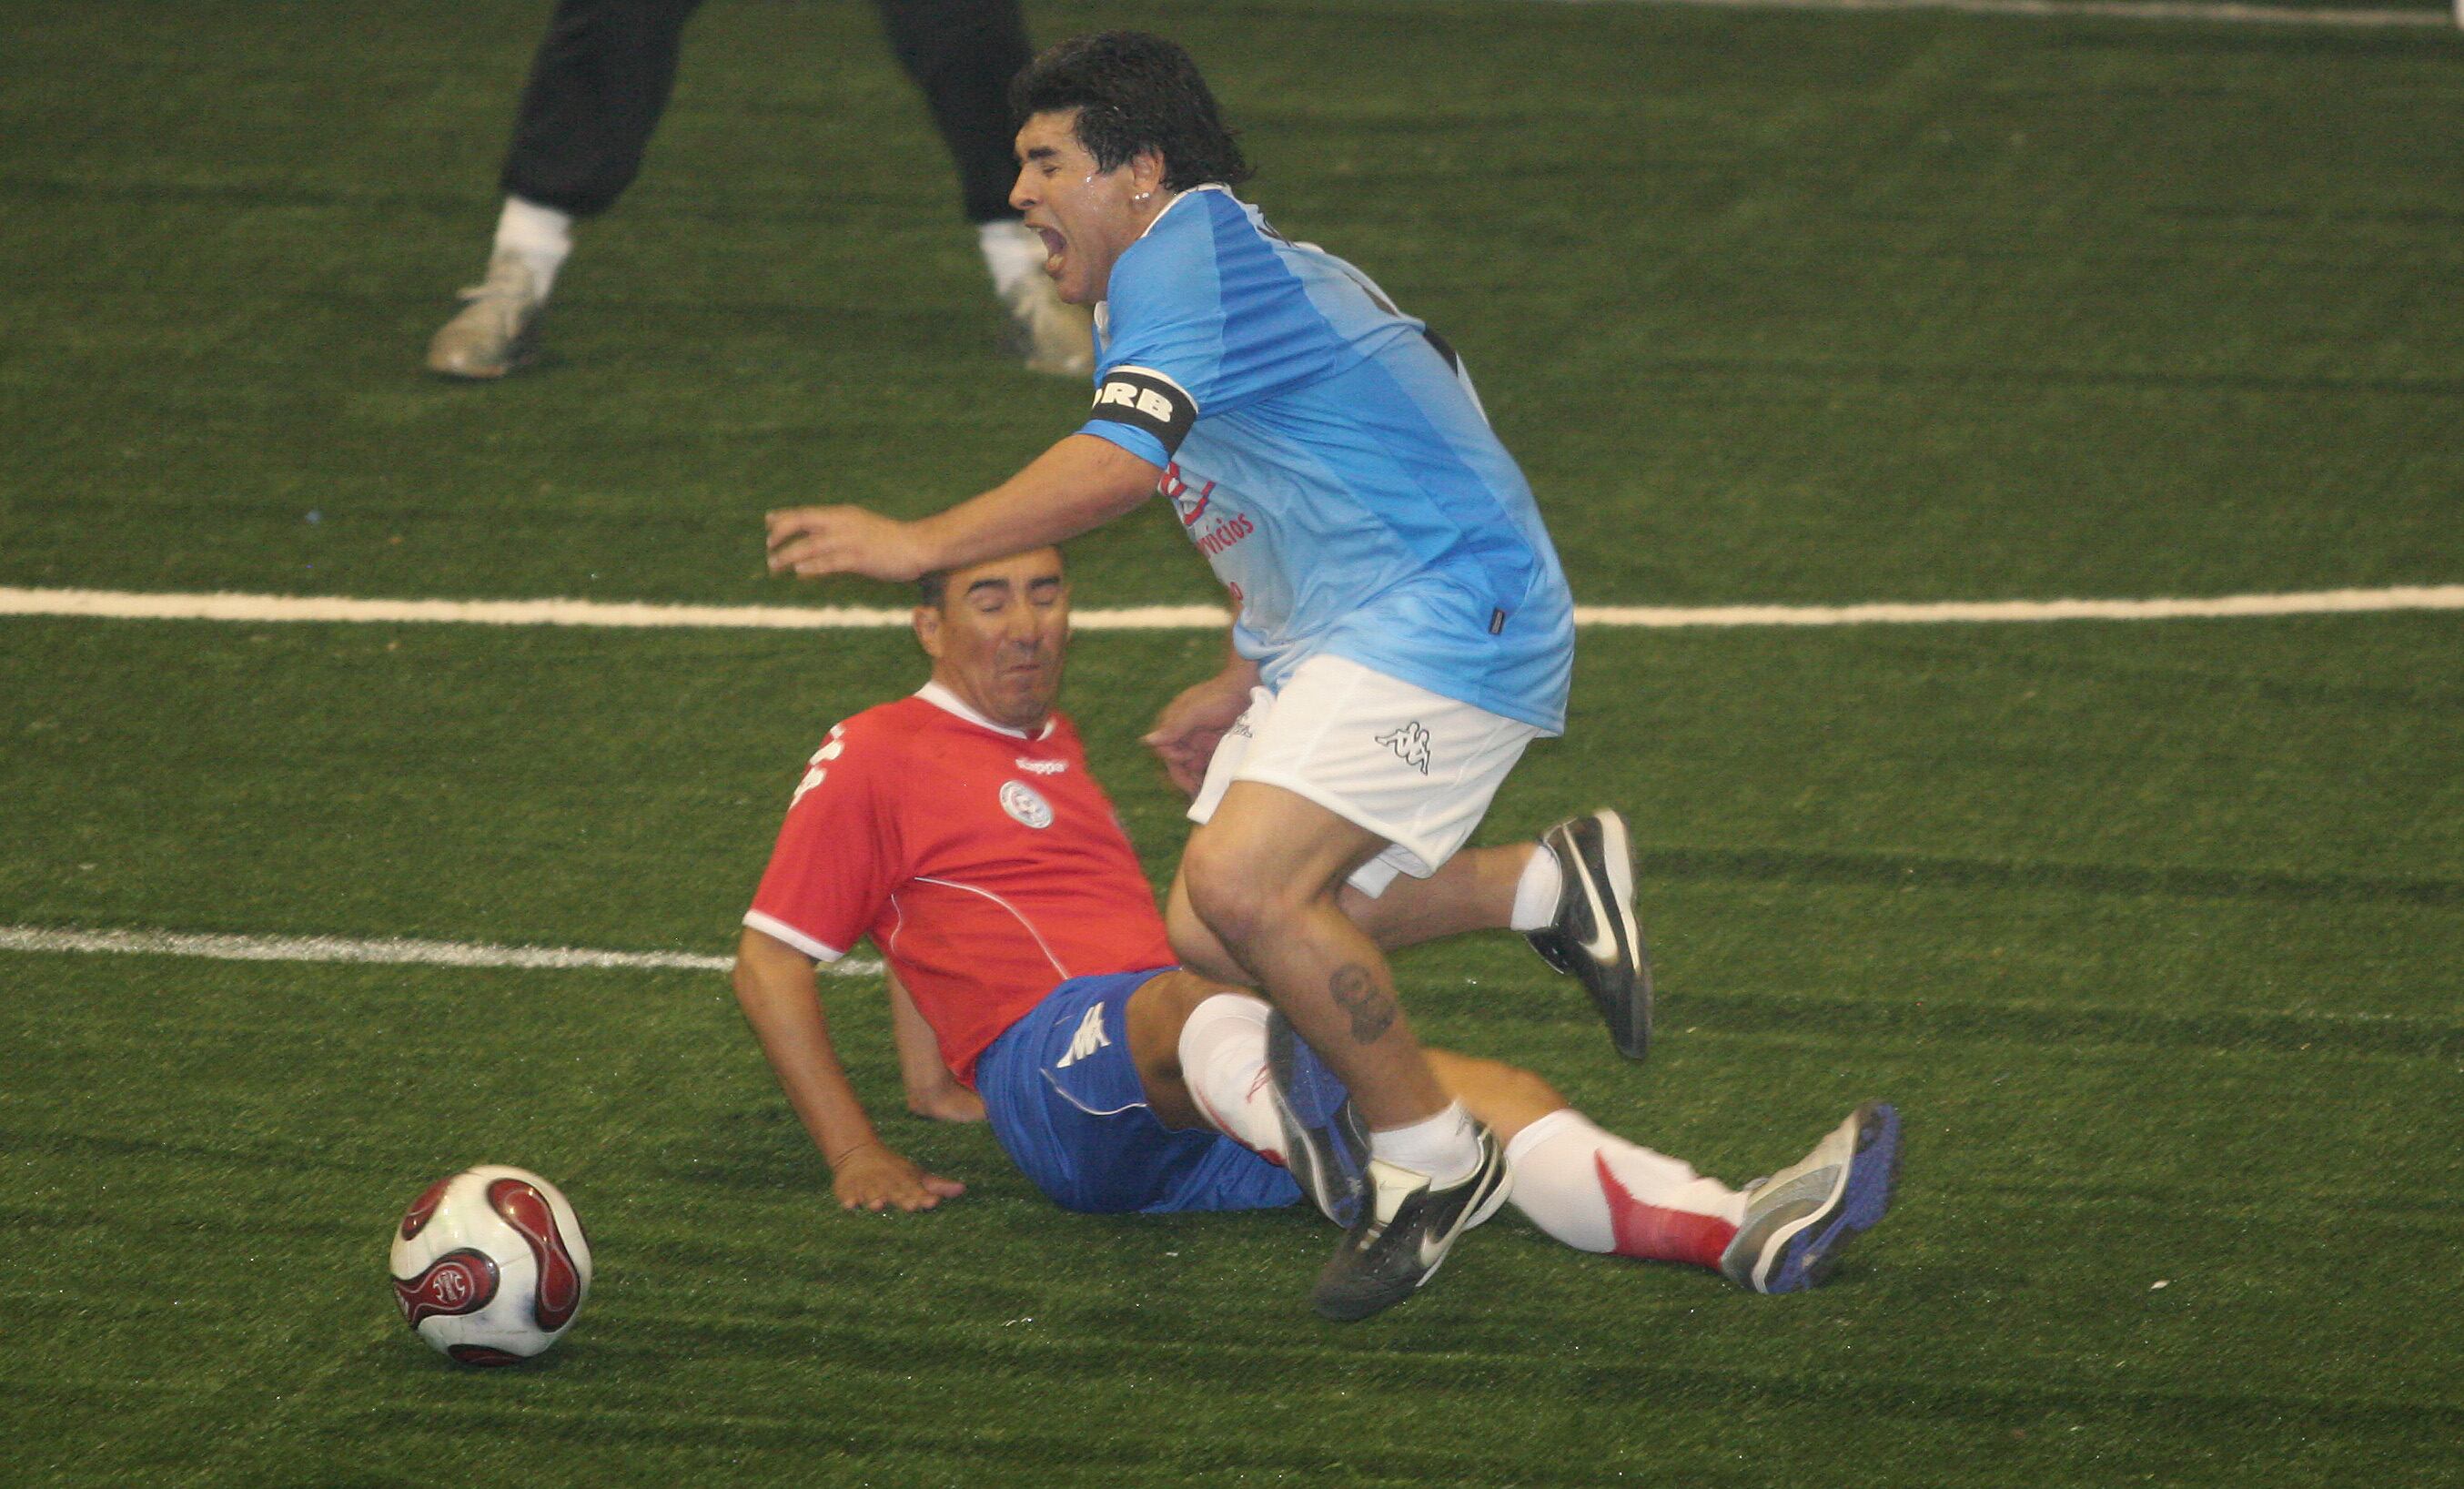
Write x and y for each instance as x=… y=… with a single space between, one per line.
x=987 y=865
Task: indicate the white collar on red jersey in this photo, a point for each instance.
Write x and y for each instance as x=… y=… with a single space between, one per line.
x=943 y=698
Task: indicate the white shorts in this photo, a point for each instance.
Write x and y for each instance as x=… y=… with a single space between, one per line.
x=1413 y=766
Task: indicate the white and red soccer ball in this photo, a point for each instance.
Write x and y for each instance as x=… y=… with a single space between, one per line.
x=490 y=1265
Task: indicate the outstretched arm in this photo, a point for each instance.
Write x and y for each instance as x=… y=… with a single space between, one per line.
x=1079 y=484
x=782 y=999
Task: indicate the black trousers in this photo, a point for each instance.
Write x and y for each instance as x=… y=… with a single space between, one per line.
x=605 y=70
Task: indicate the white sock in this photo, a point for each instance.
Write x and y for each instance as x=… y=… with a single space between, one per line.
x=1446 y=1147
x=1538 y=891
x=1596 y=1191
x=1013 y=255
x=1223 y=1063
x=540 y=236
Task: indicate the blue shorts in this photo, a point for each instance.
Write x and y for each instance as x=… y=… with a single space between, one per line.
x=1065 y=1103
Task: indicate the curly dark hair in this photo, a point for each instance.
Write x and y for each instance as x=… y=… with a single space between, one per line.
x=1133 y=92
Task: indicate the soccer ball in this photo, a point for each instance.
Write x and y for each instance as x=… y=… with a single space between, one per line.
x=490 y=1265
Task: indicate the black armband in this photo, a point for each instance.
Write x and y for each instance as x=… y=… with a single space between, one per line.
x=1149 y=401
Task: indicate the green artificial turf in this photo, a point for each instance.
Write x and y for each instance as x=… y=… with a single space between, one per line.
x=2151 y=929
x=1775 y=306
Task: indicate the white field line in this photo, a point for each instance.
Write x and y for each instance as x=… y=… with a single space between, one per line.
x=2227 y=607
x=278 y=609
x=398 y=953
x=265 y=609
x=2114 y=9
x=387 y=952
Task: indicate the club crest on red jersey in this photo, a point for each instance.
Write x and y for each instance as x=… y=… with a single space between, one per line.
x=1026 y=805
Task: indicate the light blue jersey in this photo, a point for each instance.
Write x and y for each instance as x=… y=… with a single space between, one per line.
x=1330 y=460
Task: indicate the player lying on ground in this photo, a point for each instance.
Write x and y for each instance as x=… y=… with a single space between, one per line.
x=960 y=828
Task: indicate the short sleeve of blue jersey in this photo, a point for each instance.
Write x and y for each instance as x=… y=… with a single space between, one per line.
x=1205 y=318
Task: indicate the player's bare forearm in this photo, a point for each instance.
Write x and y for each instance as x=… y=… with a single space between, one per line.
x=1080 y=483
x=931 y=1090
x=780 y=996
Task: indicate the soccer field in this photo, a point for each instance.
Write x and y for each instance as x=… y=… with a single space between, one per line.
x=2149 y=927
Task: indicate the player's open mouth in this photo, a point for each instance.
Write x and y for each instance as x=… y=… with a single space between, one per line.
x=1053 y=245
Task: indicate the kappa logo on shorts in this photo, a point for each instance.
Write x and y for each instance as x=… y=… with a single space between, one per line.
x=1026 y=805
x=1409 y=744
x=1088 y=1038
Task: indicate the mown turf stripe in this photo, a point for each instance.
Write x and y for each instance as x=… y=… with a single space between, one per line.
x=2108 y=10
x=1913 y=871
x=2072 y=1027
x=1633 y=1384
x=280 y=609
x=388 y=951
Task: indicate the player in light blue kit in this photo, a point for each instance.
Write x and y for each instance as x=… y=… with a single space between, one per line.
x=1403 y=628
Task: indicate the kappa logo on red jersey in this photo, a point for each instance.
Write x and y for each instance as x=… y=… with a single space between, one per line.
x=1041 y=767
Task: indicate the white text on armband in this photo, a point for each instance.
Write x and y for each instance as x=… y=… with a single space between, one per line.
x=1149 y=401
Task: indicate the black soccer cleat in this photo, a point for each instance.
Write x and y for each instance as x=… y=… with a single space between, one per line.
x=1404 y=1233
x=1326 y=1144
x=1597 y=939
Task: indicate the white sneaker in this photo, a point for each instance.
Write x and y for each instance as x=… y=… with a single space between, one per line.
x=497 y=330
x=1047 y=332
x=1799 y=1219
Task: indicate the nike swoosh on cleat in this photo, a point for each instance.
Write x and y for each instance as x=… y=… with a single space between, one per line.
x=1602 y=945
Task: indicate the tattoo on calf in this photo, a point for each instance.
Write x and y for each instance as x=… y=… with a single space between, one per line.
x=1371 y=1007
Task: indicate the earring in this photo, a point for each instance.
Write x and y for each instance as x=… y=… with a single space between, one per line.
x=1141 y=198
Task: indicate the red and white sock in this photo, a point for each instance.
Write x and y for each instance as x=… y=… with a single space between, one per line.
x=1590 y=1188
x=1596 y=1191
